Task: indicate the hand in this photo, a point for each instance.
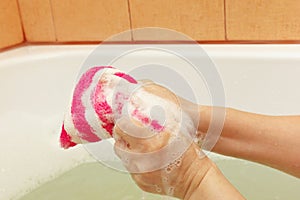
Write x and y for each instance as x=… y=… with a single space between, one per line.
x=144 y=153
x=193 y=111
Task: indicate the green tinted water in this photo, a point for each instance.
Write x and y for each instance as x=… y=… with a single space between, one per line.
x=93 y=181
x=256 y=181
x=88 y=182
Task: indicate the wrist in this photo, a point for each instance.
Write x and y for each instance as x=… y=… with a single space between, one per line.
x=196 y=192
x=204 y=117
x=214 y=185
x=199 y=114
x=195 y=174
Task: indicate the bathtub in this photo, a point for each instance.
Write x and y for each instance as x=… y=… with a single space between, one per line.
x=35 y=85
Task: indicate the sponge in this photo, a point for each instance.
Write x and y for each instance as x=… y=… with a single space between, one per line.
x=90 y=116
x=104 y=94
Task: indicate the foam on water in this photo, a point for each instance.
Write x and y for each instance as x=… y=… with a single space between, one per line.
x=30 y=154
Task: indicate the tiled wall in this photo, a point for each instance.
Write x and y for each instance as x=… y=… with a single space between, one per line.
x=10 y=24
x=201 y=20
x=263 y=19
x=96 y=20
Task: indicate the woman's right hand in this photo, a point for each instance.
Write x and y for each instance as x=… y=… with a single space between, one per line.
x=180 y=178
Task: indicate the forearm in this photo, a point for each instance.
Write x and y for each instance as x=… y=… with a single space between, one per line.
x=270 y=140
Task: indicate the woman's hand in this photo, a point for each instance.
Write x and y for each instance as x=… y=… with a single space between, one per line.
x=149 y=156
x=192 y=110
x=167 y=161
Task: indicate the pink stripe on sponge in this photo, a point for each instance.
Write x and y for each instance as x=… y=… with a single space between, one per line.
x=126 y=77
x=103 y=109
x=78 y=109
x=65 y=139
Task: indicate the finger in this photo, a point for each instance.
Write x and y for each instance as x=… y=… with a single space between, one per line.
x=124 y=133
x=147 y=156
x=139 y=138
x=121 y=144
x=120 y=149
x=136 y=162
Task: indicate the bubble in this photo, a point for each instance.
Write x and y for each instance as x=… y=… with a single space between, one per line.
x=168 y=169
x=178 y=162
x=174 y=164
x=165 y=179
x=157 y=189
x=199 y=138
x=170 y=191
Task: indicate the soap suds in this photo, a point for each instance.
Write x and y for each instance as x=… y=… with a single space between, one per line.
x=34 y=153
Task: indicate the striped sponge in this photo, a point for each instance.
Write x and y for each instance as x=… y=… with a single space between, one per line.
x=104 y=94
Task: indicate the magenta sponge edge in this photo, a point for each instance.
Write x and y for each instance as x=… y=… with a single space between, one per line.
x=65 y=139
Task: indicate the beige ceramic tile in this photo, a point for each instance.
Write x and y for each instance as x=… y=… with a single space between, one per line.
x=90 y=20
x=10 y=25
x=37 y=20
x=201 y=20
x=263 y=19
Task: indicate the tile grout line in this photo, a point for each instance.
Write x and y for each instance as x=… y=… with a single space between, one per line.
x=225 y=20
x=53 y=23
x=130 y=20
x=21 y=22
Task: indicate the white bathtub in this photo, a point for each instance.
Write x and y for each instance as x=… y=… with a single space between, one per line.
x=35 y=86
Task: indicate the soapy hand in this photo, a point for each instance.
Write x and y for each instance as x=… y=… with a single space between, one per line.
x=149 y=156
x=161 y=160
